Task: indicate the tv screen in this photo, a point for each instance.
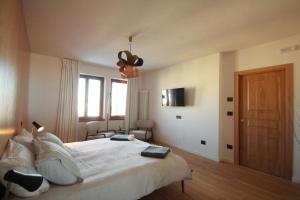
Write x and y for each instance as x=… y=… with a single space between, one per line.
x=173 y=97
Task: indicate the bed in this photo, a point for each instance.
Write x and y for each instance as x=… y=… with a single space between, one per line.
x=113 y=170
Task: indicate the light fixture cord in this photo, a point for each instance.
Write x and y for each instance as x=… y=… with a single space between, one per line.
x=130 y=42
x=130 y=47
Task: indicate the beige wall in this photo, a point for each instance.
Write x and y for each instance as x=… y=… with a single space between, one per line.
x=226 y=90
x=262 y=56
x=200 y=116
x=14 y=61
x=44 y=79
x=44 y=90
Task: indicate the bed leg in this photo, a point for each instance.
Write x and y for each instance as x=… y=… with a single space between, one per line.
x=182 y=186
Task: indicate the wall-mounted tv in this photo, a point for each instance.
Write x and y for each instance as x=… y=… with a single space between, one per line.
x=173 y=97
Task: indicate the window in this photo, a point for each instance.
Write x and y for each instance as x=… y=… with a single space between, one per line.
x=90 y=98
x=118 y=99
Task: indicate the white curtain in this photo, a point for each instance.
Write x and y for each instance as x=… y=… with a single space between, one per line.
x=132 y=103
x=66 y=126
x=143 y=104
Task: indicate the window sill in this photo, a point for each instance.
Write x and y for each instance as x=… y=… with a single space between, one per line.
x=117 y=118
x=89 y=119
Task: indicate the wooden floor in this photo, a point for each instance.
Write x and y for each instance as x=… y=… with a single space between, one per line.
x=220 y=181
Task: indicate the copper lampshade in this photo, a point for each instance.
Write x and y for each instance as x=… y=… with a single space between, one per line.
x=128 y=64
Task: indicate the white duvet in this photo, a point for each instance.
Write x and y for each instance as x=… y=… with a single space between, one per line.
x=115 y=170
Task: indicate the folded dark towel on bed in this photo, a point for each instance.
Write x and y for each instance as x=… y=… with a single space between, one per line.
x=122 y=137
x=155 y=152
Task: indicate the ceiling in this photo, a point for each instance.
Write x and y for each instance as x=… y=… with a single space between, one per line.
x=165 y=32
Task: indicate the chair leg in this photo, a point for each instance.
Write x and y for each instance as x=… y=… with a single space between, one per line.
x=86 y=136
x=182 y=186
x=146 y=136
x=152 y=137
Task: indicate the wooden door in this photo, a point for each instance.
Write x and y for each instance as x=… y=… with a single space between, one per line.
x=264 y=137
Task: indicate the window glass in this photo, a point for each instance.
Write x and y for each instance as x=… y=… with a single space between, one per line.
x=93 y=98
x=90 y=98
x=118 y=98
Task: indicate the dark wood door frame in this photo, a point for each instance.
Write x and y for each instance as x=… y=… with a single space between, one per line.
x=288 y=69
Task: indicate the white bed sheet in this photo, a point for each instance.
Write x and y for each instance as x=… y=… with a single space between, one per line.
x=115 y=170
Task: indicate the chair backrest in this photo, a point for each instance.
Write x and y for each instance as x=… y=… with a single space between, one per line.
x=145 y=123
x=93 y=126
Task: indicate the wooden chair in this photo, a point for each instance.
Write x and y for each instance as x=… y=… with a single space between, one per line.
x=93 y=131
x=143 y=130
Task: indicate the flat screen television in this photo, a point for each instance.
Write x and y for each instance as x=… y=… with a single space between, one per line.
x=173 y=97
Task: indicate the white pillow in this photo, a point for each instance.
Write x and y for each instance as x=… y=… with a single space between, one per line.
x=25 y=138
x=55 y=163
x=20 y=158
x=50 y=138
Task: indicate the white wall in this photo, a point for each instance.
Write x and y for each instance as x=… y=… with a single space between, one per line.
x=262 y=56
x=200 y=117
x=226 y=90
x=44 y=80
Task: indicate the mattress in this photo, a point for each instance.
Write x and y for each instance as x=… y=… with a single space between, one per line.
x=115 y=170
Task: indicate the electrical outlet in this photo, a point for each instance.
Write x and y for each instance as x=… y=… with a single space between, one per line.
x=178 y=117
x=203 y=142
x=229 y=113
x=229 y=99
x=229 y=146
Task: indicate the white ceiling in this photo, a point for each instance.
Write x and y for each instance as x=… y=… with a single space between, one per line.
x=167 y=31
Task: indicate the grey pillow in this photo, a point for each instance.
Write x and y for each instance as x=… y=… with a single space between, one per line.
x=50 y=137
x=25 y=138
x=55 y=163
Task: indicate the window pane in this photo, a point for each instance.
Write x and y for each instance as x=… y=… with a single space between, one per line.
x=81 y=97
x=118 y=99
x=94 y=98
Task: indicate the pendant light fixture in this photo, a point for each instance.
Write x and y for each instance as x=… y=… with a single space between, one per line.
x=128 y=64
